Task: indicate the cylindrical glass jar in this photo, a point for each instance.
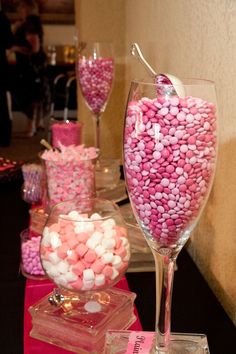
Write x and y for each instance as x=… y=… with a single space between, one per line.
x=70 y=173
x=85 y=245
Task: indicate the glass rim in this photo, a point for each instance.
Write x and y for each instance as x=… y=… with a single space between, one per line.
x=81 y=200
x=60 y=161
x=185 y=81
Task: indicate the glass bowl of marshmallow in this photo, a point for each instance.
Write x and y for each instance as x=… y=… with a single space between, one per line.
x=85 y=245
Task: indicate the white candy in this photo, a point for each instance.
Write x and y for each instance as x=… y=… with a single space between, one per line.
x=46 y=264
x=46 y=240
x=52 y=271
x=94 y=240
x=127 y=257
x=88 y=275
x=108 y=243
x=92 y=243
x=69 y=276
x=107 y=257
x=87 y=284
x=73 y=215
x=84 y=227
x=53 y=258
x=100 y=250
x=55 y=240
x=124 y=241
x=99 y=279
x=63 y=267
x=109 y=233
x=46 y=231
x=108 y=224
x=61 y=280
x=116 y=261
x=114 y=274
x=95 y=216
x=97 y=236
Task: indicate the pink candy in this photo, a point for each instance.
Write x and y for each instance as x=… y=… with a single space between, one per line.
x=70 y=172
x=66 y=133
x=95 y=77
x=30 y=256
x=85 y=263
x=169 y=162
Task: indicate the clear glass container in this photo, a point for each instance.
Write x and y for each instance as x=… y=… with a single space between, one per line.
x=107 y=173
x=170 y=151
x=85 y=245
x=85 y=251
x=70 y=173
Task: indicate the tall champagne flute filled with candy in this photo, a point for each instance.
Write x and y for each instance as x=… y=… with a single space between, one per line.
x=170 y=149
x=95 y=72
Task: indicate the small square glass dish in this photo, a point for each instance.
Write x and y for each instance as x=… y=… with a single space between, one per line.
x=140 y=342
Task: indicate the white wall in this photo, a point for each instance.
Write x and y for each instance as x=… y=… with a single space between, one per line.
x=188 y=38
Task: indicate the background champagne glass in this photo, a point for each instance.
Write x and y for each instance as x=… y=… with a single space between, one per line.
x=95 y=75
x=170 y=147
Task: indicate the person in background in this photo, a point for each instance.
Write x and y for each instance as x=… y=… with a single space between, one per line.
x=31 y=92
x=6 y=40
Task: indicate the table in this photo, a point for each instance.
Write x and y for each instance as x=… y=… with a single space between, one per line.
x=194 y=308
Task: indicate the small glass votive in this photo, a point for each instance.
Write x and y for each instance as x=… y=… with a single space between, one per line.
x=32 y=187
x=65 y=132
x=38 y=218
x=30 y=256
x=107 y=173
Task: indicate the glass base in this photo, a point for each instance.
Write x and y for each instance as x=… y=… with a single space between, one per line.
x=81 y=322
x=128 y=342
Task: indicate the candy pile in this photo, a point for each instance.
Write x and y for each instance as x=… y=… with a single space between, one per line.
x=32 y=187
x=66 y=133
x=70 y=172
x=88 y=254
x=30 y=256
x=95 y=77
x=170 y=150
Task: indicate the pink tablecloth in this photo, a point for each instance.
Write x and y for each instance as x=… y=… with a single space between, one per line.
x=34 y=291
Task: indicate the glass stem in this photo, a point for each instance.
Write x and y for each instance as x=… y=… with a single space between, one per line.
x=97 y=131
x=165 y=266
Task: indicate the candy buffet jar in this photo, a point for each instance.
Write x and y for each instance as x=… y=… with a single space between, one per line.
x=30 y=258
x=70 y=173
x=84 y=250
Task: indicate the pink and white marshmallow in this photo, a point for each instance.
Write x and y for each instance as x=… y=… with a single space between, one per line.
x=70 y=172
x=88 y=254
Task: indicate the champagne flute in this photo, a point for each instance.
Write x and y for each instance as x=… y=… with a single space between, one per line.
x=170 y=149
x=95 y=72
